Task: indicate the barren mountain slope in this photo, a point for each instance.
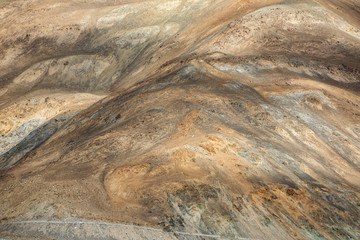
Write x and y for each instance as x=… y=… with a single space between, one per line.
x=238 y=119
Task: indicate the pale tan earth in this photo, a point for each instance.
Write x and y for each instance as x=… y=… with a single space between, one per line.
x=232 y=118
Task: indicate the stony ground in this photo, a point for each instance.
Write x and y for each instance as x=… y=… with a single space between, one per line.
x=238 y=119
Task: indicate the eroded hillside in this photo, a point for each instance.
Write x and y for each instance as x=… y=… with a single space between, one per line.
x=231 y=119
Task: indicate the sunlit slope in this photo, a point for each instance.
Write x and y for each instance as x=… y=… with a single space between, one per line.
x=231 y=118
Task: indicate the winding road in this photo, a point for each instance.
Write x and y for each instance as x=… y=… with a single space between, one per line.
x=81 y=229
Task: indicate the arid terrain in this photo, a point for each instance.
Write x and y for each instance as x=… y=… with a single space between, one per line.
x=180 y=119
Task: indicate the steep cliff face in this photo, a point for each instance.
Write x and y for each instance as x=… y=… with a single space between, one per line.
x=238 y=119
